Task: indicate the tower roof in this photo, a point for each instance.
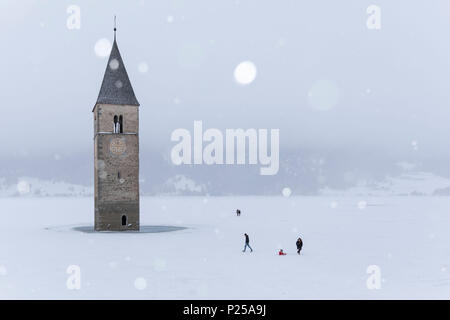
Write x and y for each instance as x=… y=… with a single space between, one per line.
x=116 y=86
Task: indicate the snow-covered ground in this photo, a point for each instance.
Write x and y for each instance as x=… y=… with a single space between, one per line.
x=406 y=237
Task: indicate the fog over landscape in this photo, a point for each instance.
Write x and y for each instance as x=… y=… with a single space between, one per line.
x=358 y=110
x=234 y=149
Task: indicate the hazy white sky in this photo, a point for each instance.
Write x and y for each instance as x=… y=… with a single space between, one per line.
x=389 y=88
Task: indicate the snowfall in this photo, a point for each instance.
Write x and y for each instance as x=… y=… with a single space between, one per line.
x=191 y=248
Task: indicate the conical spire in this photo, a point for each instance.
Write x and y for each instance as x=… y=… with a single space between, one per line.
x=116 y=86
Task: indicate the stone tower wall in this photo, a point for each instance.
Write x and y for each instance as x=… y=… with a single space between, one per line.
x=116 y=169
x=104 y=117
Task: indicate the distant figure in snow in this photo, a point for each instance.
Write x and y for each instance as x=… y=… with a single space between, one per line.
x=299 y=244
x=281 y=253
x=238 y=212
x=247 y=243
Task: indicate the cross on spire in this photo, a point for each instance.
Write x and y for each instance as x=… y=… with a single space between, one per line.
x=115 y=27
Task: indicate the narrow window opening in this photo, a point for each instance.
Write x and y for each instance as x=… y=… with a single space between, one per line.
x=124 y=220
x=116 y=125
x=118 y=174
x=120 y=124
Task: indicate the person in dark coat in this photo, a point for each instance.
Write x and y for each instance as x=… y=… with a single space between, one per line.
x=299 y=244
x=247 y=243
x=238 y=212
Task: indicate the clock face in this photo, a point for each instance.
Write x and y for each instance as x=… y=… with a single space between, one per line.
x=117 y=146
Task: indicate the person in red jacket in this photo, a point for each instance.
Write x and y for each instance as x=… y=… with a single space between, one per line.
x=281 y=253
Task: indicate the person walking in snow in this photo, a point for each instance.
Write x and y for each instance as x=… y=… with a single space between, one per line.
x=247 y=243
x=299 y=244
x=238 y=212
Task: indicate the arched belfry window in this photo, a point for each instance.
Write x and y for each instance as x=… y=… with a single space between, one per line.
x=116 y=124
x=120 y=124
x=124 y=220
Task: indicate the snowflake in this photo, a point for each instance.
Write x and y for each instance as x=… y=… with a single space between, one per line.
x=362 y=205
x=245 y=73
x=286 y=192
x=102 y=48
x=140 y=283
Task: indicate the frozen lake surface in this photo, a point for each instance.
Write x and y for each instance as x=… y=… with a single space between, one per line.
x=191 y=248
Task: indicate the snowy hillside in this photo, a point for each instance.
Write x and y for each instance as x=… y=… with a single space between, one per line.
x=34 y=187
x=408 y=183
x=411 y=183
x=26 y=186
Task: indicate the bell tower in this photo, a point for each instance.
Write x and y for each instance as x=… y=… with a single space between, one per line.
x=116 y=149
